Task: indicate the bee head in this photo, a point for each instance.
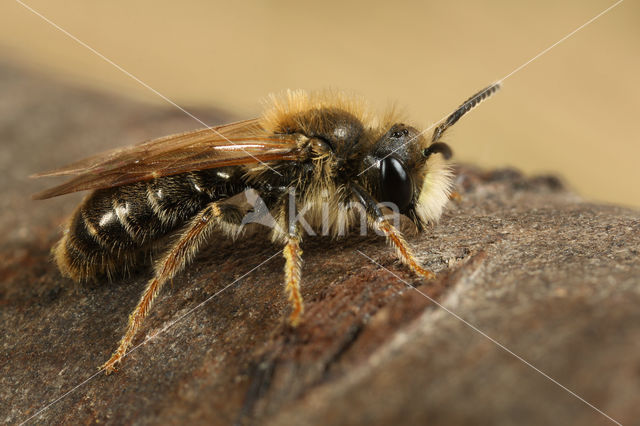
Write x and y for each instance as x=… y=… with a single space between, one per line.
x=413 y=173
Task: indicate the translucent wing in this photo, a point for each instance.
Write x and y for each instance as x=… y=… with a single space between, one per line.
x=244 y=142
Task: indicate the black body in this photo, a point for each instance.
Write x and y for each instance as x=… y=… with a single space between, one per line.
x=115 y=227
x=118 y=226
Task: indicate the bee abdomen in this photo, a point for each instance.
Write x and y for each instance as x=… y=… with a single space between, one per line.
x=81 y=256
x=114 y=228
x=106 y=233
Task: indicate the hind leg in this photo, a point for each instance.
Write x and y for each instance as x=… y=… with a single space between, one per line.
x=215 y=216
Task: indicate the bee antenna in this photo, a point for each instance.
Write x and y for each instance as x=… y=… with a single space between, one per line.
x=466 y=106
x=438 y=147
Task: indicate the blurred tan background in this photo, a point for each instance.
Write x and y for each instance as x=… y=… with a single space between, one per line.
x=573 y=112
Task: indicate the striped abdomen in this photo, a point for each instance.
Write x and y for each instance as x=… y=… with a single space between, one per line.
x=114 y=228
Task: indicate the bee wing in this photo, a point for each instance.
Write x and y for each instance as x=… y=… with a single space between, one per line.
x=244 y=142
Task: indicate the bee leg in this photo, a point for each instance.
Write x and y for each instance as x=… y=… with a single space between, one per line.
x=179 y=255
x=455 y=196
x=393 y=235
x=292 y=272
x=403 y=250
x=289 y=230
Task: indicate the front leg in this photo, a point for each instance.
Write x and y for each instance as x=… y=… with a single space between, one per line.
x=378 y=222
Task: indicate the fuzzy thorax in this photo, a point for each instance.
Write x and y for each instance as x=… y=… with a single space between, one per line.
x=283 y=110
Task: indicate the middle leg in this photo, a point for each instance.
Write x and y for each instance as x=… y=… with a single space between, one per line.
x=289 y=230
x=293 y=272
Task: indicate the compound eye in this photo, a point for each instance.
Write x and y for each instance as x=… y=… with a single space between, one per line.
x=396 y=183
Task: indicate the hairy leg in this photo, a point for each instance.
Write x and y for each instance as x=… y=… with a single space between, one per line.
x=292 y=273
x=393 y=235
x=403 y=250
x=289 y=231
x=191 y=240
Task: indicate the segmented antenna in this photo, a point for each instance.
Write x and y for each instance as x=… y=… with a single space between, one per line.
x=466 y=106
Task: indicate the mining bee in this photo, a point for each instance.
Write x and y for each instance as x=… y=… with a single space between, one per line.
x=308 y=151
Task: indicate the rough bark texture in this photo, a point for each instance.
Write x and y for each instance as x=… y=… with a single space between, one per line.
x=552 y=278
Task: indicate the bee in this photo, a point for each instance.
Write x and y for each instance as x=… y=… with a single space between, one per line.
x=307 y=151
